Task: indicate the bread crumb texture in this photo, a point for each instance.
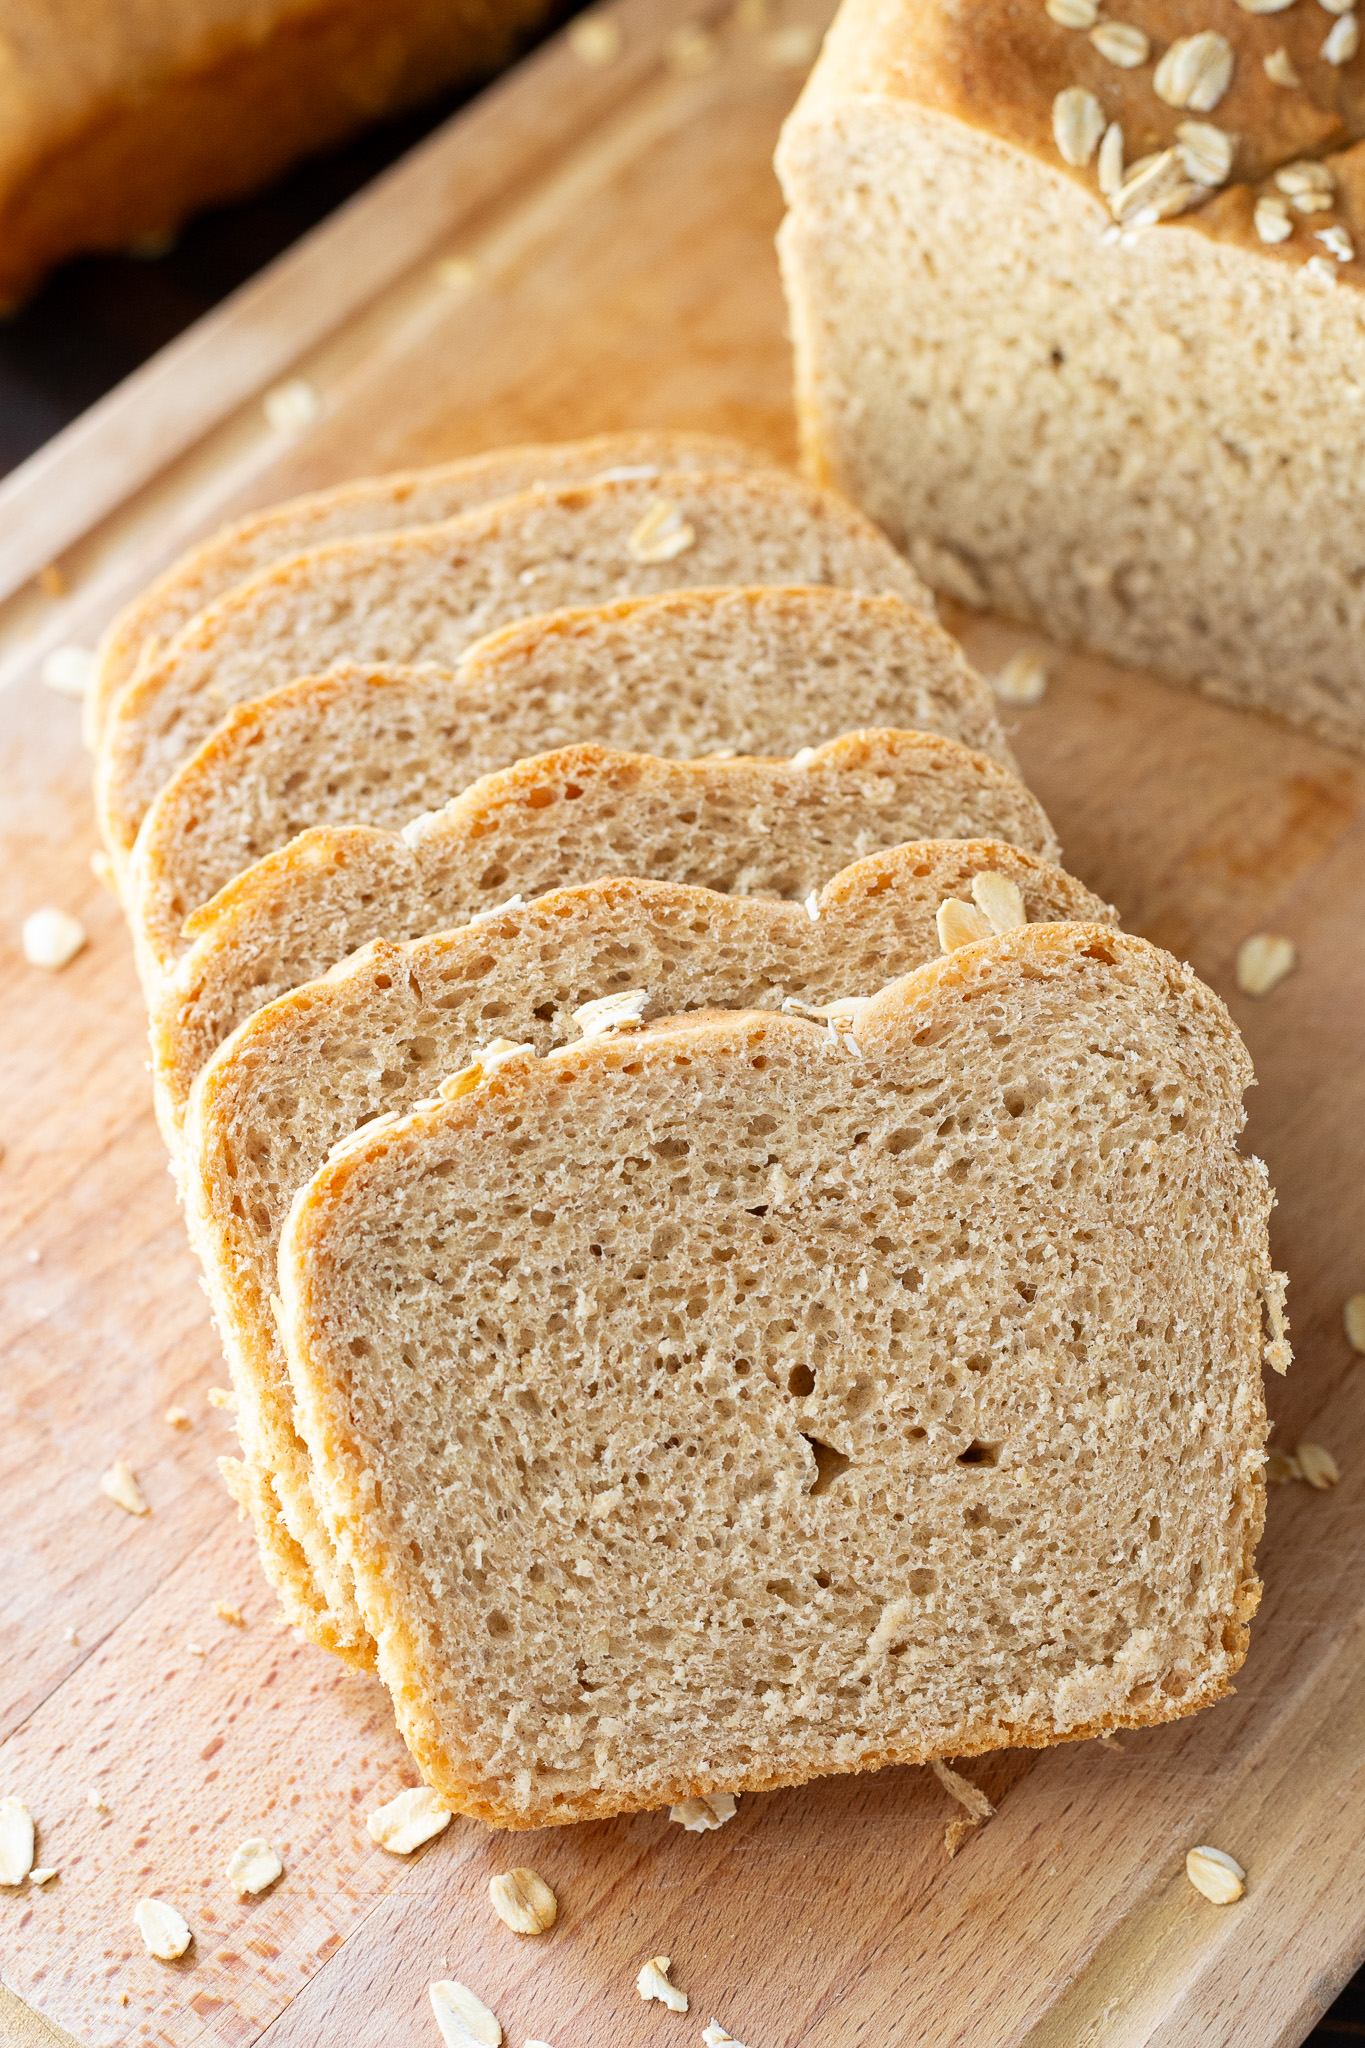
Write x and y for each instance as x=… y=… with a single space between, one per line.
x=960 y=1448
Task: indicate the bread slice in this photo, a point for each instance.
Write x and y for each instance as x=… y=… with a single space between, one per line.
x=382 y=504
x=1074 y=383
x=372 y=1036
x=746 y=827
x=426 y=594
x=765 y=671
x=732 y=1404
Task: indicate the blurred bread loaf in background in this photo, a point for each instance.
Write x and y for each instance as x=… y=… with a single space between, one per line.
x=118 y=120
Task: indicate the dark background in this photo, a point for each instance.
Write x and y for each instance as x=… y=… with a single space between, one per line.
x=98 y=317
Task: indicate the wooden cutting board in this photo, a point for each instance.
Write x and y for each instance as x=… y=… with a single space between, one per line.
x=590 y=247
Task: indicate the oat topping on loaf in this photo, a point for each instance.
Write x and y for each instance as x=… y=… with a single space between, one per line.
x=321 y=1068
x=961 y=1449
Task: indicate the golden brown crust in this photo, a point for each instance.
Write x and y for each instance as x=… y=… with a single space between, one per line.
x=998 y=66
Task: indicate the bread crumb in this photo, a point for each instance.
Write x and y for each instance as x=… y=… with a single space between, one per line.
x=523 y=1901
x=102 y=868
x=1000 y=899
x=1263 y=962
x=1216 y=1874
x=611 y=1013
x=196 y=1650
x=72 y=1638
x=123 y=1998
x=52 y=938
x=291 y=406
x=1023 y=679
x=70 y=671
x=233 y=1616
x=95 y=1800
x=45 y=1875
x=464 y=2020
x=166 y=1934
x=595 y=40
x=176 y=1418
x=1353 y=1316
x=119 y=1484
x=1317 y=1465
x=662 y=535
x=1280 y=1467
x=960 y=924
x=409 y=1820
x=253 y=1866
x=222 y=1397
x=1279 y=68
x=690 y=50
x=700 y=1815
x=16 y=1841
x=957 y=1831
x=652 y=1982
x=790 y=49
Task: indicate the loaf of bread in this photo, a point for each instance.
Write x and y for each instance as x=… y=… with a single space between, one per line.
x=116 y=121
x=373 y=1036
x=765 y=671
x=427 y=593
x=382 y=504
x=1067 y=293
x=746 y=827
x=736 y=1402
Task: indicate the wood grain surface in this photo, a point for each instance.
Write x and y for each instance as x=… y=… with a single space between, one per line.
x=588 y=249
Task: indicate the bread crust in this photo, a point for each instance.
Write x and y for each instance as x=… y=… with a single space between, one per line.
x=1044 y=961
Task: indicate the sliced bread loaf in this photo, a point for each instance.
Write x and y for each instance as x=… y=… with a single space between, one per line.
x=426 y=594
x=748 y=828
x=374 y=1035
x=732 y=1404
x=765 y=671
x=382 y=504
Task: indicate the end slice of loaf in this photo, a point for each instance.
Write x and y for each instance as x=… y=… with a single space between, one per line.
x=373 y=1036
x=745 y=827
x=765 y=671
x=728 y=1405
x=380 y=504
x=427 y=594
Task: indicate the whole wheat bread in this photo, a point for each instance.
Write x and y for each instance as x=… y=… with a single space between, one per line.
x=746 y=827
x=383 y=504
x=733 y=1404
x=426 y=594
x=765 y=671
x=372 y=1036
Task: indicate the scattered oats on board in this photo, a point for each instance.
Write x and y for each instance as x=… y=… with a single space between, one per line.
x=70 y=670
x=790 y=49
x=662 y=535
x=464 y=2020
x=1317 y=1466
x=408 y=1821
x=162 y=1928
x=1263 y=962
x=233 y=1616
x=119 y=1484
x=960 y=924
x=1023 y=679
x=595 y=40
x=1216 y=1874
x=715 y=2036
x=52 y=938
x=690 y=51
x=16 y=1841
x=291 y=406
x=45 y=1875
x=252 y=1866
x=652 y=1982
x=1353 y=1319
x=699 y=1816
x=523 y=1901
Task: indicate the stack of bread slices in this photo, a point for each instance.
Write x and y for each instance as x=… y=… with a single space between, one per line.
x=731 y=1266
